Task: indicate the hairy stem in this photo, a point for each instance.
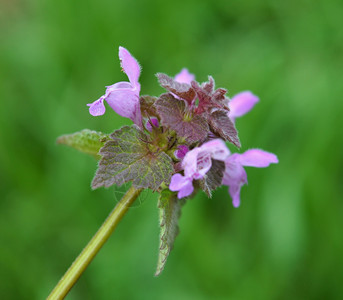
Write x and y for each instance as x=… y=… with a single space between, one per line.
x=93 y=247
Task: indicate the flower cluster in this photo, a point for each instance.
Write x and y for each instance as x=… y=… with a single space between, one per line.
x=190 y=125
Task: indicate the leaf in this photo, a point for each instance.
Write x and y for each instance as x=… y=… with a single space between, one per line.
x=169 y=210
x=127 y=157
x=208 y=97
x=213 y=177
x=172 y=114
x=182 y=90
x=87 y=141
x=222 y=125
x=147 y=106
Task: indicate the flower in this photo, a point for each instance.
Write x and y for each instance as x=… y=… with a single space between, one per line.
x=196 y=164
x=235 y=176
x=122 y=97
x=241 y=103
x=184 y=76
x=181 y=151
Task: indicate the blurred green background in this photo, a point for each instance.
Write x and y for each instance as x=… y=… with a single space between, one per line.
x=284 y=242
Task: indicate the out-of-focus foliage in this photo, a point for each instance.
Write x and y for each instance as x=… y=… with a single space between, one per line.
x=284 y=242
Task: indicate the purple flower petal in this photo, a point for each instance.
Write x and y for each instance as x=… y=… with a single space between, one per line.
x=125 y=102
x=241 y=104
x=186 y=191
x=234 y=173
x=189 y=162
x=217 y=148
x=123 y=97
x=255 y=158
x=235 y=193
x=129 y=65
x=234 y=177
x=204 y=164
x=184 y=76
x=97 y=108
x=198 y=161
x=182 y=184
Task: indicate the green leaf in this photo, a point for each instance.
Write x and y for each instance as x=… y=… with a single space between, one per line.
x=169 y=210
x=87 y=141
x=173 y=115
x=129 y=156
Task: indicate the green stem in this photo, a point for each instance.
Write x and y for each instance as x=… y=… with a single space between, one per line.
x=93 y=247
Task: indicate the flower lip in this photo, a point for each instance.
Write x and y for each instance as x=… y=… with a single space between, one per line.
x=235 y=176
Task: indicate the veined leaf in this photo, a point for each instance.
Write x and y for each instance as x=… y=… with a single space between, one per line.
x=169 y=210
x=213 y=177
x=173 y=115
x=222 y=125
x=87 y=141
x=127 y=157
x=182 y=90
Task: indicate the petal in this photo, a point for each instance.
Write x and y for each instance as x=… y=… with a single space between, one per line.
x=184 y=76
x=189 y=162
x=97 y=108
x=197 y=163
x=204 y=164
x=125 y=102
x=235 y=193
x=130 y=65
x=217 y=148
x=121 y=85
x=177 y=182
x=256 y=158
x=186 y=191
x=241 y=104
x=182 y=184
x=234 y=177
x=234 y=173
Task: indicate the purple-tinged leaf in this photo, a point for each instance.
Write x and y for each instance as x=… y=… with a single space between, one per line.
x=213 y=177
x=182 y=90
x=126 y=157
x=147 y=104
x=208 y=97
x=222 y=125
x=173 y=115
x=86 y=141
x=208 y=86
x=169 y=210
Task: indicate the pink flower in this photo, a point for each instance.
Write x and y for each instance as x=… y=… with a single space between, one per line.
x=235 y=176
x=122 y=97
x=184 y=76
x=241 y=103
x=196 y=164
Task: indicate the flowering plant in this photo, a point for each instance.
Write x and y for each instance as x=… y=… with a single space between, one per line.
x=176 y=145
